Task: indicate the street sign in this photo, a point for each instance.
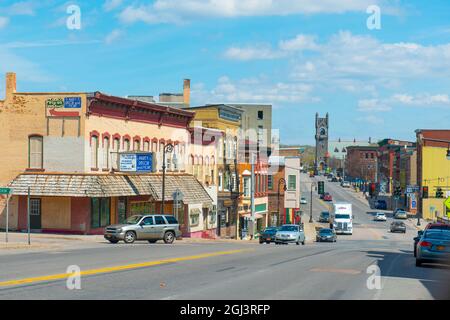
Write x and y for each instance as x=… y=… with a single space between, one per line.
x=5 y=190
x=447 y=203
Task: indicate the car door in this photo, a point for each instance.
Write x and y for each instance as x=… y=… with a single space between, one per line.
x=145 y=231
x=160 y=227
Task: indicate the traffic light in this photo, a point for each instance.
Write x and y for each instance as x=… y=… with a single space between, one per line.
x=372 y=189
x=439 y=193
x=321 y=187
x=398 y=192
x=425 y=192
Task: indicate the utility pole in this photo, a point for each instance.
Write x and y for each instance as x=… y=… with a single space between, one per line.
x=167 y=148
x=311 y=204
x=28 y=215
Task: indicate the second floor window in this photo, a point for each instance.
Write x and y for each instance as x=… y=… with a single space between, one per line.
x=94 y=152
x=126 y=145
x=270 y=182
x=106 y=153
x=292 y=182
x=246 y=186
x=35 y=152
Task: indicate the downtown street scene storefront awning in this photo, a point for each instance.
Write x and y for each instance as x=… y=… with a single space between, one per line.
x=110 y=185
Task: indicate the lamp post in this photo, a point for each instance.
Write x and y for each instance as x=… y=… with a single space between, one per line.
x=167 y=149
x=280 y=182
x=311 y=203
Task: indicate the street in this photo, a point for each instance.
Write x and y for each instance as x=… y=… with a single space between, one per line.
x=236 y=270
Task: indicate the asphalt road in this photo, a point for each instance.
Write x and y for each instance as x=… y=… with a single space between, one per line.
x=236 y=270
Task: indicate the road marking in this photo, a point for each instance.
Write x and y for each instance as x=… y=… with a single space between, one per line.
x=119 y=268
x=335 y=270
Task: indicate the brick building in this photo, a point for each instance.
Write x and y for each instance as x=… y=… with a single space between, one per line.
x=361 y=163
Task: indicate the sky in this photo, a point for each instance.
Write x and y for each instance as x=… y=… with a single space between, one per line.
x=380 y=68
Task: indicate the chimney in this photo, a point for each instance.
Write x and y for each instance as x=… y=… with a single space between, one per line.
x=370 y=140
x=187 y=92
x=10 y=85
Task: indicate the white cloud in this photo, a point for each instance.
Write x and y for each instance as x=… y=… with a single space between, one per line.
x=113 y=36
x=171 y=11
x=252 y=53
x=372 y=105
x=422 y=99
x=110 y=5
x=259 y=89
x=299 y=43
x=25 y=8
x=3 y=22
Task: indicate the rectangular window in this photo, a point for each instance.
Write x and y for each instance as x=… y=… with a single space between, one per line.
x=106 y=153
x=292 y=182
x=246 y=186
x=35 y=147
x=260 y=115
x=270 y=182
x=100 y=212
x=35 y=207
x=220 y=181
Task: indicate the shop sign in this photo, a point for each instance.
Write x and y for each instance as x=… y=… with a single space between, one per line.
x=136 y=162
x=63 y=107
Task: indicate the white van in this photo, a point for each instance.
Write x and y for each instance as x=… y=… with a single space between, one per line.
x=343 y=218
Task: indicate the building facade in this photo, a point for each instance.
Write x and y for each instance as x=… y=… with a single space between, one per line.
x=322 y=156
x=361 y=163
x=433 y=171
x=66 y=148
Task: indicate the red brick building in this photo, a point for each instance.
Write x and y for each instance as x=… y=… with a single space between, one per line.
x=361 y=163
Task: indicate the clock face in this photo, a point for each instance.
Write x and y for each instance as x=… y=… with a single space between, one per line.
x=322 y=131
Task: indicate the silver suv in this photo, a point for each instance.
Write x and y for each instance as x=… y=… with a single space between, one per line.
x=144 y=227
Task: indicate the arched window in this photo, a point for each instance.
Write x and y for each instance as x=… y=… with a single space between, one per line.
x=146 y=146
x=126 y=144
x=115 y=155
x=137 y=145
x=106 y=152
x=94 y=152
x=35 y=152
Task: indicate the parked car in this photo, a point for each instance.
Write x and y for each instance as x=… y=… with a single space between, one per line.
x=326 y=234
x=334 y=179
x=381 y=205
x=290 y=233
x=303 y=201
x=268 y=235
x=380 y=216
x=433 y=246
x=400 y=214
x=327 y=197
x=398 y=226
x=324 y=217
x=345 y=184
x=144 y=227
x=430 y=226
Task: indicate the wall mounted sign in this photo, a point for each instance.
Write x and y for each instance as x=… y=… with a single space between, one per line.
x=136 y=162
x=63 y=107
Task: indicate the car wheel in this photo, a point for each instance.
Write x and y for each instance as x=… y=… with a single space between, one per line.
x=267 y=242
x=418 y=263
x=130 y=237
x=415 y=251
x=152 y=241
x=297 y=243
x=261 y=242
x=113 y=241
x=169 y=237
x=303 y=242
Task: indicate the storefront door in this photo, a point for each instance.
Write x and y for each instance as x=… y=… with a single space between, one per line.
x=35 y=214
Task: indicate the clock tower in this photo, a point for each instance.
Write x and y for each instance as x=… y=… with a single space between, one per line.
x=321 y=161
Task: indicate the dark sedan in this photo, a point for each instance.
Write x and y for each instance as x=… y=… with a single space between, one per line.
x=324 y=216
x=433 y=246
x=268 y=235
x=326 y=235
x=398 y=226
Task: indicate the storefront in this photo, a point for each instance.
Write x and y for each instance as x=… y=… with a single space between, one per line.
x=85 y=204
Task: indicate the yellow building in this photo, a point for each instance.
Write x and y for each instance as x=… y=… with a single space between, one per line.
x=227 y=119
x=433 y=170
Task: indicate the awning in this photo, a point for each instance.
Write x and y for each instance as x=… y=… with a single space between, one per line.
x=111 y=185
x=249 y=216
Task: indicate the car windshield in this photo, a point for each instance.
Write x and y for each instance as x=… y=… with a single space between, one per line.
x=325 y=214
x=380 y=214
x=289 y=228
x=440 y=227
x=342 y=216
x=326 y=231
x=270 y=230
x=438 y=234
x=133 y=219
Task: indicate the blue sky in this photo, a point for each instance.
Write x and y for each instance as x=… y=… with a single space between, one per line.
x=303 y=56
